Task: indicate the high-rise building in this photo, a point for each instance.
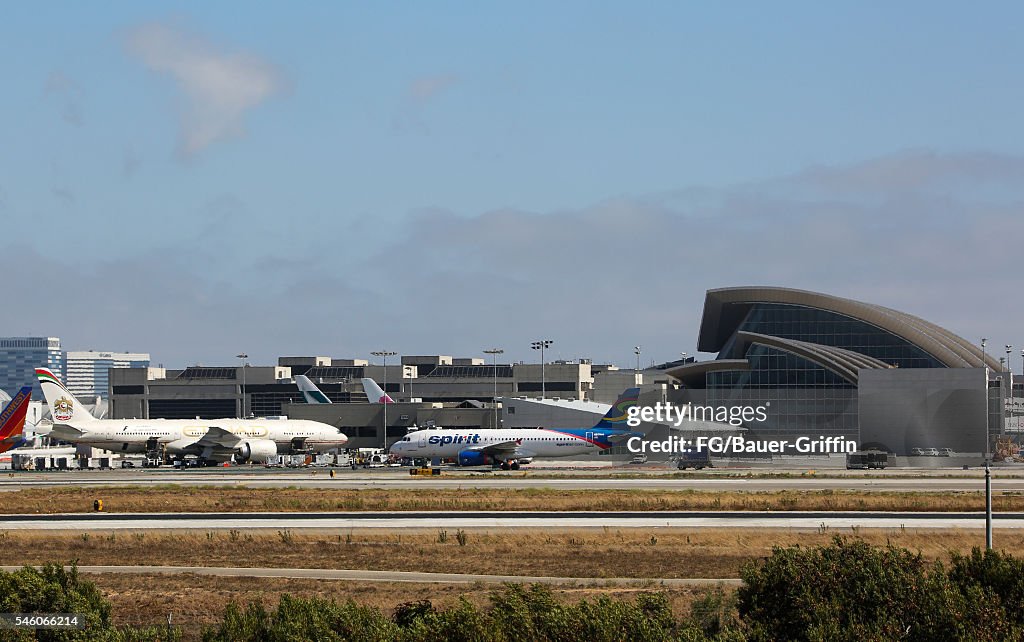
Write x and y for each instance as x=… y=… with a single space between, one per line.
x=87 y=372
x=20 y=356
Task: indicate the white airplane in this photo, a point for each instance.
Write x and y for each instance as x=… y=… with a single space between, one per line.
x=512 y=446
x=215 y=440
x=314 y=395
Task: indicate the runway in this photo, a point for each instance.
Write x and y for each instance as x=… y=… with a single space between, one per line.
x=391 y=576
x=808 y=520
x=400 y=479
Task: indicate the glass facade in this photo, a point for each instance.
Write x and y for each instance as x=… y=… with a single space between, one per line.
x=802 y=397
x=19 y=358
x=87 y=374
x=832 y=329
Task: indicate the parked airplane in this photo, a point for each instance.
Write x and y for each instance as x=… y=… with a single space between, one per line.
x=12 y=420
x=312 y=394
x=373 y=392
x=309 y=391
x=511 y=446
x=242 y=440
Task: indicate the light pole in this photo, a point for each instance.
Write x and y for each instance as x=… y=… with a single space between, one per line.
x=988 y=471
x=385 y=354
x=683 y=355
x=242 y=356
x=1009 y=390
x=494 y=352
x=542 y=345
x=636 y=351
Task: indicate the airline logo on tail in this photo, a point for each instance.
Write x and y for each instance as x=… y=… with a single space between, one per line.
x=374 y=392
x=309 y=391
x=618 y=414
x=63 y=406
x=12 y=419
x=63 y=409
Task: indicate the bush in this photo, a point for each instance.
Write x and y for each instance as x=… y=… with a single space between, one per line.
x=54 y=589
x=853 y=591
x=304 y=619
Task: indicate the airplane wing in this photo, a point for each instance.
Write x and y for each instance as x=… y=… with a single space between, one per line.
x=503 y=449
x=63 y=432
x=219 y=437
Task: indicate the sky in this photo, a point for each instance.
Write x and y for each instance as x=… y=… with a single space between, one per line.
x=204 y=179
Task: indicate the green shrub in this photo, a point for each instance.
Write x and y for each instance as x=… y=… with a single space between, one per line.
x=54 y=589
x=853 y=591
x=303 y=619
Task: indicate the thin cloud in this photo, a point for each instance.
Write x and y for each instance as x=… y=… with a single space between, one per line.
x=219 y=87
x=423 y=89
x=64 y=194
x=68 y=94
x=420 y=92
x=598 y=279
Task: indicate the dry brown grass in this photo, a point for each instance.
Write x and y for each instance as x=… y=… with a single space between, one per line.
x=595 y=553
x=206 y=499
x=196 y=601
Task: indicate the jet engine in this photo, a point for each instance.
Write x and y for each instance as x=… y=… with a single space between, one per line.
x=255 y=450
x=472 y=458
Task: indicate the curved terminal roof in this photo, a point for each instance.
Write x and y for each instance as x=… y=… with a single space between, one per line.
x=725 y=309
x=844 y=363
x=692 y=374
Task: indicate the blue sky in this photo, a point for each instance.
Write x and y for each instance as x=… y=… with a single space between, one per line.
x=333 y=178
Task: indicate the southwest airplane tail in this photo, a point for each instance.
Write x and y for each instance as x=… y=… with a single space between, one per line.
x=12 y=419
x=64 y=407
x=374 y=393
x=309 y=391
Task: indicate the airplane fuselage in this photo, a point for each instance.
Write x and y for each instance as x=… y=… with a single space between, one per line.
x=181 y=436
x=531 y=442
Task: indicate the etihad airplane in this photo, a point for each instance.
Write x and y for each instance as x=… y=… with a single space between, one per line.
x=213 y=440
x=314 y=395
x=511 y=447
x=12 y=420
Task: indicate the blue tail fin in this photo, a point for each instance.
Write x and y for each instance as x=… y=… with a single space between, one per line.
x=619 y=412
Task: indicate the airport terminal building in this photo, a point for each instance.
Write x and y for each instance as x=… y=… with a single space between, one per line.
x=816 y=364
x=828 y=366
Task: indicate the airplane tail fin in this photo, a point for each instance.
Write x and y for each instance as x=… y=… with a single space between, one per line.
x=12 y=419
x=616 y=416
x=309 y=391
x=374 y=392
x=64 y=407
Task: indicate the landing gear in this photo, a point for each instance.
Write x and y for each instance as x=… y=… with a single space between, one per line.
x=510 y=465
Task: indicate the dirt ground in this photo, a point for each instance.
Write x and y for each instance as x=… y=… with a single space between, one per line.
x=591 y=553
